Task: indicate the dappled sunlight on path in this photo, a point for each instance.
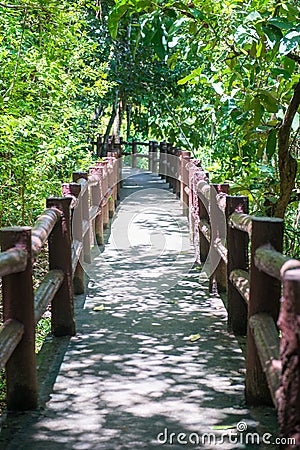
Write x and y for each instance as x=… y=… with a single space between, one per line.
x=152 y=355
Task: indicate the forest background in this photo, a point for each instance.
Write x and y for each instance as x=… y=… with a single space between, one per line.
x=218 y=78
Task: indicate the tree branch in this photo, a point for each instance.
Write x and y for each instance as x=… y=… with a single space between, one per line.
x=286 y=163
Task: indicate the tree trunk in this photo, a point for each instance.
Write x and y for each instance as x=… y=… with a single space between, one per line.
x=287 y=164
x=110 y=123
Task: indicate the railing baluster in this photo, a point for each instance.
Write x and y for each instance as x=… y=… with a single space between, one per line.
x=60 y=257
x=18 y=304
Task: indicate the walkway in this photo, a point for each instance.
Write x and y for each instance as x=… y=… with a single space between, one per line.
x=151 y=356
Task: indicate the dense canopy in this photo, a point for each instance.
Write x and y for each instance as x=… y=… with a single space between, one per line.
x=220 y=78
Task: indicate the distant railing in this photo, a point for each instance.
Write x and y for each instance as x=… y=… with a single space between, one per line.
x=71 y=225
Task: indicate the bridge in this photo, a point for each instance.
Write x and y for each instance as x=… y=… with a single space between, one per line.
x=145 y=354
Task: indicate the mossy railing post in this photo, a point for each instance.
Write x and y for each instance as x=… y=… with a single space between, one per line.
x=18 y=304
x=265 y=293
x=60 y=258
x=184 y=181
x=289 y=320
x=85 y=216
x=134 y=152
x=237 y=258
x=74 y=189
x=217 y=237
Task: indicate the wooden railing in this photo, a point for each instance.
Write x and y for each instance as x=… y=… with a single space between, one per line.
x=71 y=225
x=262 y=285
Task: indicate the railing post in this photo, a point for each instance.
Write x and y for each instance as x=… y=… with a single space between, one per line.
x=151 y=154
x=184 y=176
x=177 y=172
x=134 y=152
x=203 y=215
x=105 y=200
x=74 y=189
x=265 y=293
x=168 y=164
x=85 y=215
x=110 y=181
x=237 y=258
x=154 y=150
x=18 y=304
x=218 y=232
x=96 y=202
x=289 y=320
x=162 y=160
x=60 y=257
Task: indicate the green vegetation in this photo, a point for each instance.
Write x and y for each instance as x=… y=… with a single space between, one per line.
x=220 y=78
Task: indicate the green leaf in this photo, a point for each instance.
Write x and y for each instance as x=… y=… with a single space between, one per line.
x=194 y=337
x=271 y=143
x=281 y=23
x=195 y=73
x=268 y=101
x=273 y=34
x=289 y=64
x=258 y=111
x=98 y=308
x=114 y=19
x=290 y=41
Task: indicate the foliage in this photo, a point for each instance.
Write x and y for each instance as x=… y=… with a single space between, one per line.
x=50 y=83
x=236 y=67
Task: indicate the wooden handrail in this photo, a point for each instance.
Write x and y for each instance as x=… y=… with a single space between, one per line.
x=69 y=224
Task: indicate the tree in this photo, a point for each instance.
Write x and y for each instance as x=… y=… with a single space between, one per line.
x=240 y=60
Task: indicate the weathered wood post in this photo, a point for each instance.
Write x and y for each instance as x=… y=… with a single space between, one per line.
x=265 y=293
x=96 y=194
x=218 y=237
x=85 y=215
x=237 y=258
x=151 y=154
x=177 y=172
x=134 y=152
x=184 y=172
x=18 y=304
x=154 y=151
x=110 y=181
x=203 y=217
x=168 y=164
x=105 y=195
x=162 y=159
x=74 y=189
x=289 y=399
x=194 y=177
x=60 y=258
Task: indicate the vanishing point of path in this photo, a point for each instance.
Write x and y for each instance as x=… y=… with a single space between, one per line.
x=151 y=356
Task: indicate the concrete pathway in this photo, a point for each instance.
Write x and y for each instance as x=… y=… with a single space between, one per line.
x=152 y=365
